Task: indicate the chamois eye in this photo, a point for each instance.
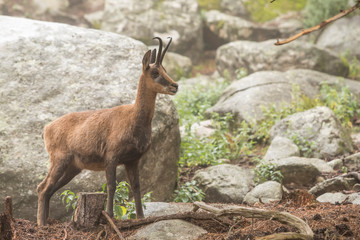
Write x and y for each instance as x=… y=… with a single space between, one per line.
x=154 y=74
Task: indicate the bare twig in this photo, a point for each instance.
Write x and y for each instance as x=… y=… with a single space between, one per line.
x=283 y=217
x=321 y=25
x=66 y=234
x=113 y=225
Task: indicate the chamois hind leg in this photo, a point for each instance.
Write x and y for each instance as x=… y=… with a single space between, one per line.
x=46 y=188
x=110 y=173
x=132 y=172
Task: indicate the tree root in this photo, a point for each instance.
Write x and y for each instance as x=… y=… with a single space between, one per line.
x=283 y=217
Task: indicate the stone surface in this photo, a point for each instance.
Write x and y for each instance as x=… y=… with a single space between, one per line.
x=143 y=20
x=318 y=126
x=336 y=164
x=246 y=97
x=332 y=184
x=302 y=171
x=265 y=56
x=50 y=69
x=352 y=162
x=203 y=129
x=266 y=192
x=225 y=183
x=220 y=28
x=235 y=8
x=169 y=230
x=157 y=209
x=341 y=36
x=332 y=197
x=177 y=66
x=288 y=24
x=281 y=147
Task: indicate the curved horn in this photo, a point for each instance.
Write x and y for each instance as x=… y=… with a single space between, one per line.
x=153 y=56
x=166 y=48
x=160 y=50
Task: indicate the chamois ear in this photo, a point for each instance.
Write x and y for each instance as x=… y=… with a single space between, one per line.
x=146 y=60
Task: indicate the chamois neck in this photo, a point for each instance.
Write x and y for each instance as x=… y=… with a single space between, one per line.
x=144 y=103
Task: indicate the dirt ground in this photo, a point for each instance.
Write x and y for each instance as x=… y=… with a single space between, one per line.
x=341 y=221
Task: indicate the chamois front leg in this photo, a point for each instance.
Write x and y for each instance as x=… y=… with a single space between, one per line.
x=111 y=187
x=132 y=171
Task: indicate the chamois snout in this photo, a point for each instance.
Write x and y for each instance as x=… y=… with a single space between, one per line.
x=174 y=88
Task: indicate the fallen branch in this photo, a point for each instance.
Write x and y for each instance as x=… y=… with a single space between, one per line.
x=186 y=215
x=321 y=25
x=283 y=217
x=113 y=225
x=354 y=175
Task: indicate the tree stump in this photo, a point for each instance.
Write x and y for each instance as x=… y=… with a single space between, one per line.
x=88 y=209
x=6 y=220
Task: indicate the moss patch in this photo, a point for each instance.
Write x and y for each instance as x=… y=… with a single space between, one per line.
x=263 y=10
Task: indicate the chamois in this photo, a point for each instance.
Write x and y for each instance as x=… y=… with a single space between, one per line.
x=103 y=139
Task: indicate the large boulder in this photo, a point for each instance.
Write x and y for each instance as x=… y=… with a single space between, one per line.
x=261 y=56
x=245 y=98
x=288 y=24
x=342 y=36
x=169 y=230
x=302 y=171
x=281 y=147
x=266 y=192
x=225 y=183
x=50 y=69
x=319 y=128
x=144 y=20
x=221 y=28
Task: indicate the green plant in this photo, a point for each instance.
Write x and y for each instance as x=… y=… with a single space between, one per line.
x=189 y=192
x=266 y=171
x=305 y=146
x=341 y=100
x=69 y=199
x=123 y=207
x=264 y=10
x=353 y=64
x=317 y=11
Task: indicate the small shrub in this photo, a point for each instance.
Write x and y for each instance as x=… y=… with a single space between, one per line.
x=69 y=199
x=353 y=64
x=305 y=146
x=340 y=99
x=317 y=11
x=123 y=208
x=266 y=171
x=189 y=192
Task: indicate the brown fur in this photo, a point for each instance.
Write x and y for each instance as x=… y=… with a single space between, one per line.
x=101 y=140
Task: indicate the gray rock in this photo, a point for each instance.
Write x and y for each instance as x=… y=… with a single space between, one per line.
x=262 y=56
x=303 y=171
x=332 y=184
x=342 y=36
x=221 y=28
x=332 y=198
x=336 y=164
x=225 y=183
x=177 y=66
x=235 y=8
x=318 y=126
x=245 y=98
x=157 y=209
x=50 y=69
x=203 y=129
x=352 y=162
x=281 y=147
x=288 y=24
x=266 y=192
x=169 y=230
x=339 y=197
x=144 y=20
